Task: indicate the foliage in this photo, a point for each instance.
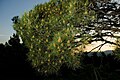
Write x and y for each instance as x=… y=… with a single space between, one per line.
x=49 y=31
x=14 y=65
x=106 y=23
x=13 y=60
x=117 y=48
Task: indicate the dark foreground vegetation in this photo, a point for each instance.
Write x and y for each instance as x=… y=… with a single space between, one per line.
x=15 y=66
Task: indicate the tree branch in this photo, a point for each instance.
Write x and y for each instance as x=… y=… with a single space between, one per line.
x=98 y=47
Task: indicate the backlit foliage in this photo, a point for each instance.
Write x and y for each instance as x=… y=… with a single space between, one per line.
x=49 y=32
x=117 y=48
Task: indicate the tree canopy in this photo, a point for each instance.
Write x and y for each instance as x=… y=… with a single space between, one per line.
x=106 y=23
x=50 y=30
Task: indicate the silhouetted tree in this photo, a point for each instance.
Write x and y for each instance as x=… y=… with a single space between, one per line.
x=13 y=60
x=106 y=23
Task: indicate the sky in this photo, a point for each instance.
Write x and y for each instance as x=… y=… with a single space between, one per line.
x=11 y=8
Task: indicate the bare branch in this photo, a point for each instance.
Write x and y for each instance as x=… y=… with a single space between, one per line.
x=98 y=46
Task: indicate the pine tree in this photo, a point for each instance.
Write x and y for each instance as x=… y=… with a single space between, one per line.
x=49 y=32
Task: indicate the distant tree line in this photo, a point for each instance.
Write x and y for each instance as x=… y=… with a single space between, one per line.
x=13 y=60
